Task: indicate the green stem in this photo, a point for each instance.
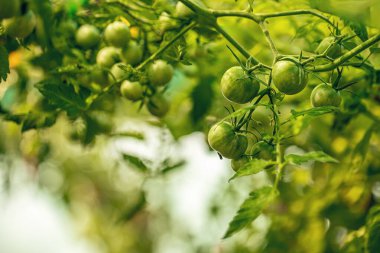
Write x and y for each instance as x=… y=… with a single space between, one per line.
x=339 y=61
x=239 y=47
x=269 y=39
x=167 y=45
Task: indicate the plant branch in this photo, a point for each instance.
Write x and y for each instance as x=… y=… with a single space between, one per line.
x=167 y=45
x=269 y=39
x=353 y=52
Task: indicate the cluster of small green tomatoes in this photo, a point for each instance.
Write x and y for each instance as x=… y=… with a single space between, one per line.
x=113 y=60
x=17 y=21
x=240 y=85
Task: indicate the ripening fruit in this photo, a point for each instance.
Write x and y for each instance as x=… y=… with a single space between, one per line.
x=20 y=26
x=289 y=77
x=325 y=95
x=118 y=73
x=333 y=52
x=184 y=12
x=160 y=73
x=117 y=34
x=238 y=163
x=9 y=8
x=87 y=36
x=223 y=139
x=238 y=87
x=158 y=105
x=132 y=90
x=107 y=57
x=133 y=54
x=166 y=22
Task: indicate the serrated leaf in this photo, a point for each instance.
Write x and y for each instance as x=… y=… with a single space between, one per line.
x=250 y=209
x=62 y=96
x=318 y=156
x=253 y=167
x=314 y=112
x=373 y=230
x=136 y=162
x=4 y=64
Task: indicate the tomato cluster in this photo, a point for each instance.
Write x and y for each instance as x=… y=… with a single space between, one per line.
x=117 y=53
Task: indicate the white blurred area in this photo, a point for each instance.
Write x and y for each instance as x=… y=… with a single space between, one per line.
x=34 y=221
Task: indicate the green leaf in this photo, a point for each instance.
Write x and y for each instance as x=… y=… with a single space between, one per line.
x=318 y=156
x=250 y=209
x=373 y=230
x=136 y=162
x=314 y=112
x=253 y=167
x=63 y=96
x=360 y=151
x=202 y=97
x=4 y=64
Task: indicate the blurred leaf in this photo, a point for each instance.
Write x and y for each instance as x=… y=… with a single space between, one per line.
x=359 y=28
x=4 y=64
x=202 y=97
x=373 y=230
x=136 y=162
x=253 y=167
x=317 y=156
x=250 y=209
x=34 y=120
x=360 y=151
x=135 y=209
x=170 y=167
x=62 y=96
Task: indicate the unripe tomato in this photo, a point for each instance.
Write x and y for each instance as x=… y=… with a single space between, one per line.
x=238 y=163
x=160 y=73
x=166 y=22
x=333 y=52
x=20 y=26
x=288 y=77
x=117 y=34
x=325 y=95
x=158 y=105
x=118 y=73
x=107 y=57
x=9 y=8
x=87 y=36
x=133 y=54
x=132 y=90
x=238 y=87
x=223 y=139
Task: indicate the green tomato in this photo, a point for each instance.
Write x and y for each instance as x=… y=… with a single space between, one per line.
x=117 y=34
x=133 y=54
x=87 y=36
x=325 y=95
x=160 y=73
x=238 y=87
x=107 y=57
x=165 y=22
x=158 y=105
x=238 y=163
x=9 y=8
x=289 y=77
x=133 y=91
x=118 y=73
x=333 y=52
x=223 y=139
x=20 y=26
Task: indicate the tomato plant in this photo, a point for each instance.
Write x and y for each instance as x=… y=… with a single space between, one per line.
x=126 y=101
